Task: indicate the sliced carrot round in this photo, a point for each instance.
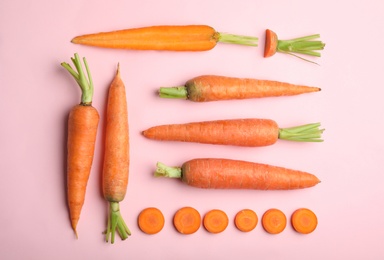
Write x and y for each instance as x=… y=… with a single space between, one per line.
x=151 y=220
x=215 y=221
x=274 y=221
x=271 y=42
x=187 y=220
x=304 y=220
x=246 y=220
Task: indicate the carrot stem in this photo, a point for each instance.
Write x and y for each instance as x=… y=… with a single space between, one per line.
x=86 y=84
x=174 y=92
x=116 y=221
x=238 y=39
x=163 y=170
x=301 y=45
x=303 y=133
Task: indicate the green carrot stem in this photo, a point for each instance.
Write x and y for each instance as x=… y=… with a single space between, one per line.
x=116 y=222
x=174 y=92
x=302 y=45
x=303 y=133
x=163 y=170
x=86 y=84
x=238 y=39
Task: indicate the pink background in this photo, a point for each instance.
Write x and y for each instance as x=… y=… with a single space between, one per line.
x=37 y=94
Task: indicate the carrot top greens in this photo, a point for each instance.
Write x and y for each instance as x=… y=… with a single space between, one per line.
x=303 y=133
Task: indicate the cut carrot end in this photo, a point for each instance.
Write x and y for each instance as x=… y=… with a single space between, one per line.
x=274 y=221
x=246 y=220
x=215 y=221
x=151 y=221
x=304 y=221
x=187 y=220
x=271 y=42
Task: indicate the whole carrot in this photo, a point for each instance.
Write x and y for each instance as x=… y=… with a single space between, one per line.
x=82 y=129
x=212 y=173
x=164 y=37
x=240 y=132
x=116 y=157
x=212 y=88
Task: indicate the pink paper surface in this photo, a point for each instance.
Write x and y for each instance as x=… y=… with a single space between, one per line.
x=37 y=94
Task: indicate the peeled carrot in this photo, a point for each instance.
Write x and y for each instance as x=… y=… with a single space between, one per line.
x=302 y=45
x=215 y=221
x=246 y=220
x=151 y=220
x=213 y=88
x=240 y=132
x=187 y=220
x=235 y=174
x=304 y=220
x=116 y=157
x=274 y=221
x=82 y=129
x=165 y=37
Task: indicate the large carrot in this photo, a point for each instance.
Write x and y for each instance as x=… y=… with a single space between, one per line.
x=82 y=129
x=212 y=88
x=240 y=132
x=165 y=37
x=116 y=157
x=216 y=173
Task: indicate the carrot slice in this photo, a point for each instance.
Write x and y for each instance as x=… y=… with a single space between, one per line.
x=271 y=42
x=151 y=220
x=246 y=220
x=304 y=220
x=215 y=221
x=187 y=220
x=274 y=221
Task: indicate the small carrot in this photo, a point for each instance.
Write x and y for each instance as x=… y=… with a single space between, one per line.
x=274 y=221
x=151 y=220
x=164 y=37
x=215 y=221
x=116 y=157
x=82 y=129
x=304 y=220
x=302 y=45
x=240 y=132
x=213 y=88
x=235 y=174
x=246 y=220
x=187 y=220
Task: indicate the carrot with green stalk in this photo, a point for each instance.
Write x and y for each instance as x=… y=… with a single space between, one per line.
x=164 y=37
x=213 y=88
x=250 y=132
x=306 y=45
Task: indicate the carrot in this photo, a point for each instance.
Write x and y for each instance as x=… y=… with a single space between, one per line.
x=187 y=220
x=235 y=174
x=246 y=220
x=302 y=45
x=82 y=129
x=240 y=132
x=151 y=220
x=213 y=88
x=116 y=157
x=304 y=220
x=215 y=221
x=274 y=221
x=165 y=37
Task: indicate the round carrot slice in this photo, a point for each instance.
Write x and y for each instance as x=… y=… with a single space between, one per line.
x=151 y=220
x=246 y=220
x=304 y=220
x=187 y=220
x=215 y=221
x=274 y=221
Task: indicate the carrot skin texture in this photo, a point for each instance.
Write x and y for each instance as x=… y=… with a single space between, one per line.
x=210 y=173
x=213 y=88
x=240 y=132
x=82 y=129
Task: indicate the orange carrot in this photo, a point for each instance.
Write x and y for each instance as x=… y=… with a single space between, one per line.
x=151 y=220
x=302 y=45
x=116 y=157
x=235 y=174
x=187 y=220
x=213 y=88
x=165 y=37
x=240 y=132
x=304 y=220
x=82 y=129
x=246 y=220
x=215 y=221
x=274 y=221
